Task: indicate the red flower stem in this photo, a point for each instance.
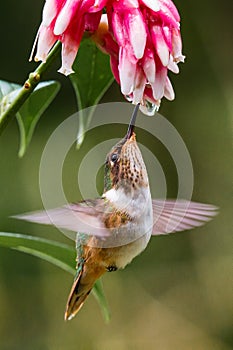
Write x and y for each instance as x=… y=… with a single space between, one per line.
x=27 y=88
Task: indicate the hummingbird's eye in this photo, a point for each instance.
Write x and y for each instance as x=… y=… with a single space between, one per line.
x=114 y=157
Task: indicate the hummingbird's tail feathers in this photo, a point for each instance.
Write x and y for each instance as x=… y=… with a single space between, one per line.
x=90 y=271
x=179 y=215
x=78 y=295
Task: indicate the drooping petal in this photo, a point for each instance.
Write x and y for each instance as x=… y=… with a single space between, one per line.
x=159 y=84
x=172 y=66
x=130 y=3
x=70 y=45
x=160 y=44
x=177 y=46
x=50 y=11
x=148 y=95
x=65 y=16
x=68 y=57
x=85 y=6
x=168 y=90
x=46 y=40
x=127 y=71
x=114 y=67
x=135 y=25
x=152 y=4
x=167 y=36
x=168 y=6
x=167 y=18
x=148 y=64
x=140 y=83
x=118 y=29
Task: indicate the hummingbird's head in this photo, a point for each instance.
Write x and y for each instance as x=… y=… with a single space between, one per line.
x=124 y=166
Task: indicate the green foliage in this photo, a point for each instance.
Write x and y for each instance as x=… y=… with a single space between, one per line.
x=59 y=254
x=91 y=79
x=31 y=111
x=29 y=114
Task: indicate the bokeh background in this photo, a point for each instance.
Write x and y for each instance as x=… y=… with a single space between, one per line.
x=178 y=293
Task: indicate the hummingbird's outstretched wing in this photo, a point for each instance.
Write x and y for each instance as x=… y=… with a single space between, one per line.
x=78 y=217
x=180 y=215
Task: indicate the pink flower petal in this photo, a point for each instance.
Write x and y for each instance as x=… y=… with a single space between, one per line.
x=127 y=71
x=160 y=44
x=137 y=32
x=168 y=90
x=172 y=66
x=70 y=45
x=168 y=5
x=148 y=64
x=159 y=84
x=140 y=83
x=167 y=36
x=46 y=40
x=125 y=5
x=152 y=4
x=167 y=18
x=65 y=16
x=130 y=4
x=119 y=29
x=98 y=5
x=69 y=53
x=177 y=46
x=114 y=67
x=85 y=6
x=50 y=11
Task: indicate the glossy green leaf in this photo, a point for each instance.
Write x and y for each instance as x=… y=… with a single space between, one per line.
x=5 y=89
x=99 y=294
x=32 y=109
x=7 y=93
x=91 y=79
x=59 y=254
x=29 y=114
x=56 y=253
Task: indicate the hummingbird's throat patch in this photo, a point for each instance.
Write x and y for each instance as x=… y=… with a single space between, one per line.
x=132 y=168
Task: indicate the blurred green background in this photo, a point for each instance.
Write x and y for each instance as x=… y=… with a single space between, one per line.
x=178 y=293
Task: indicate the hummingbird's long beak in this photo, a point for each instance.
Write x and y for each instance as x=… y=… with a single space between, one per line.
x=132 y=122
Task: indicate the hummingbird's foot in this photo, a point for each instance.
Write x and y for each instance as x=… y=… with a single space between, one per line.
x=111 y=268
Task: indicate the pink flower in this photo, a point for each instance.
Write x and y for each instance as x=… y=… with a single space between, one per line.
x=144 y=42
x=66 y=20
x=142 y=38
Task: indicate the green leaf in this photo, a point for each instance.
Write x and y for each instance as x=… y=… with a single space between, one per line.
x=56 y=253
x=7 y=93
x=6 y=88
x=59 y=254
x=29 y=114
x=98 y=292
x=32 y=109
x=91 y=79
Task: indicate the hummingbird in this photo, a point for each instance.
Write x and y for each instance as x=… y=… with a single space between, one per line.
x=113 y=229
